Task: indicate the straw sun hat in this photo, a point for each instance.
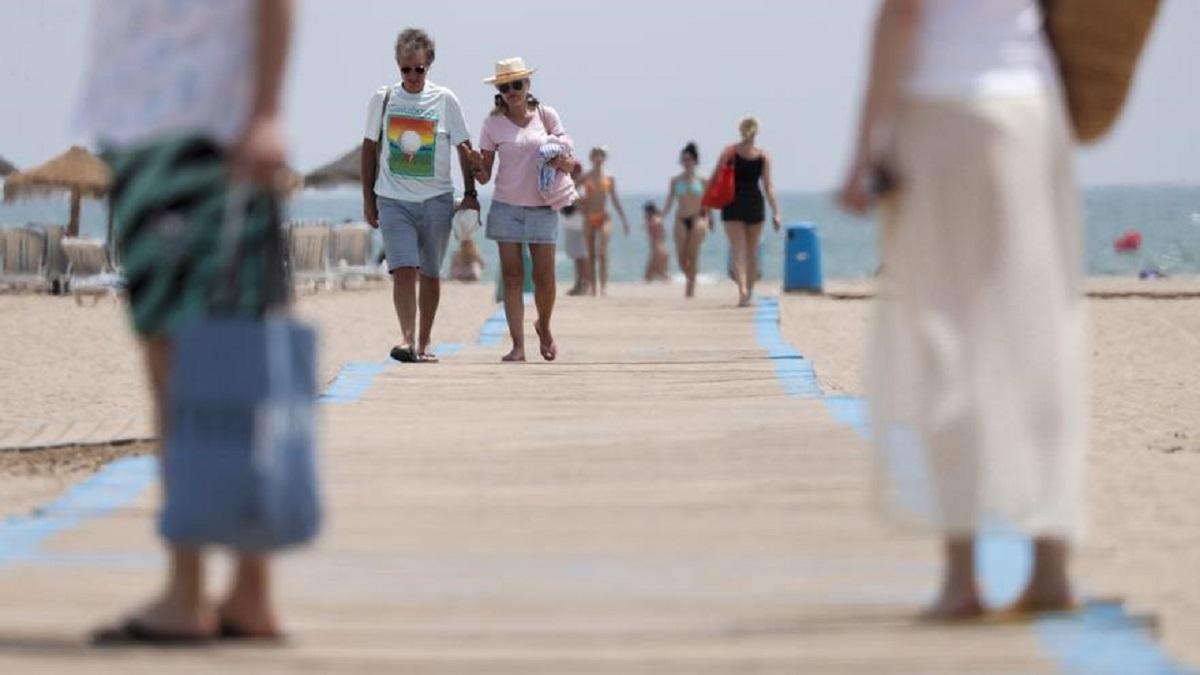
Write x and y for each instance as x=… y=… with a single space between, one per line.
x=510 y=70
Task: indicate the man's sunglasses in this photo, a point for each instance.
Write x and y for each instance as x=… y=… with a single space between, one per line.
x=421 y=70
x=515 y=86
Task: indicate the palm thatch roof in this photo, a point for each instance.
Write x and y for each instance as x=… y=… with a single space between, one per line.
x=343 y=170
x=75 y=171
x=6 y=167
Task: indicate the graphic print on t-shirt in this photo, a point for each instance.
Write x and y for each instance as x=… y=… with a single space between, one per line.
x=412 y=146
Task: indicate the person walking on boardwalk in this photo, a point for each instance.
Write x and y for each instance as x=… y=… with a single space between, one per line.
x=408 y=192
x=974 y=364
x=518 y=133
x=692 y=219
x=744 y=216
x=201 y=117
x=599 y=189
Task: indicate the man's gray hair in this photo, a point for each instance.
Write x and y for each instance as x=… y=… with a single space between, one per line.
x=413 y=40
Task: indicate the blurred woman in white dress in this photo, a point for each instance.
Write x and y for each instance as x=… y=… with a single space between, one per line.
x=974 y=364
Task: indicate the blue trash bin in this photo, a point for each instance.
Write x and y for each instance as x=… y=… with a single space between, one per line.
x=802 y=260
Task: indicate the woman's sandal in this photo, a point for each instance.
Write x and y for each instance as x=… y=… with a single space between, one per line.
x=549 y=351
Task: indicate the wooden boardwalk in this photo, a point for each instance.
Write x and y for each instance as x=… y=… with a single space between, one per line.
x=651 y=503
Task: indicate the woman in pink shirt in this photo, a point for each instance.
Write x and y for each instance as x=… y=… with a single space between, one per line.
x=515 y=132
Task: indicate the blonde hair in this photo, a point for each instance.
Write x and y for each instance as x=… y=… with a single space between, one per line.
x=748 y=127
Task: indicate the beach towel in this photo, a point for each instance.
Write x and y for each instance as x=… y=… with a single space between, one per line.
x=556 y=187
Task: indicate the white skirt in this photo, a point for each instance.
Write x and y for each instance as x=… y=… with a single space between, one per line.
x=975 y=362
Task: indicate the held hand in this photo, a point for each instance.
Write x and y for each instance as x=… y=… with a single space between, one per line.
x=371 y=213
x=854 y=196
x=475 y=157
x=468 y=204
x=258 y=157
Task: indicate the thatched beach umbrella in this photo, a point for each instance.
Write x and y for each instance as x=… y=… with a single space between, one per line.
x=76 y=171
x=6 y=167
x=343 y=170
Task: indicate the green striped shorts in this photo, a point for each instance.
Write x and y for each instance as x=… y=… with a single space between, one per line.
x=170 y=200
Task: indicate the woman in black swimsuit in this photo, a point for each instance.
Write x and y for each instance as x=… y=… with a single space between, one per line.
x=744 y=216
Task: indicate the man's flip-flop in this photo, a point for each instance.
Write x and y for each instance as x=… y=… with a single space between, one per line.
x=134 y=632
x=233 y=632
x=404 y=355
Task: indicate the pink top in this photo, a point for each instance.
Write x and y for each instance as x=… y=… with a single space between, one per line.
x=516 y=151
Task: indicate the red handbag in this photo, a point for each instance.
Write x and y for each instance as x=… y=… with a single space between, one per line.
x=720 y=189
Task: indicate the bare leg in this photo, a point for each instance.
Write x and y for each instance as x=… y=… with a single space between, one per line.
x=248 y=605
x=431 y=296
x=404 y=298
x=681 y=254
x=1049 y=588
x=753 y=236
x=580 y=266
x=181 y=609
x=959 y=598
x=605 y=235
x=544 y=290
x=590 y=234
x=737 y=250
x=512 y=271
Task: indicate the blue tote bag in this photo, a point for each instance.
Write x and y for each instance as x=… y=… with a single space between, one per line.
x=239 y=453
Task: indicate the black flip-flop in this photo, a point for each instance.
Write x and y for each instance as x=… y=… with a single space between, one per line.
x=134 y=632
x=231 y=631
x=404 y=355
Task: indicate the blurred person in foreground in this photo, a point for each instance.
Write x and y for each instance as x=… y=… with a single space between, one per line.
x=183 y=98
x=974 y=365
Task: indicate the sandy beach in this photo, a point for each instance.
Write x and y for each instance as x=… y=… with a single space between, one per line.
x=77 y=363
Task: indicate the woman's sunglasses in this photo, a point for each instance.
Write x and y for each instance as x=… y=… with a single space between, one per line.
x=421 y=70
x=515 y=86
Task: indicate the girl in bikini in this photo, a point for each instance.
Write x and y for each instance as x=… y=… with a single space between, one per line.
x=598 y=189
x=692 y=222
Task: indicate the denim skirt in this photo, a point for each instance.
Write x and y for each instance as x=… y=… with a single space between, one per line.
x=522 y=224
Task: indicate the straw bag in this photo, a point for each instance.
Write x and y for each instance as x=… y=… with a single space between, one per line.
x=1097 y=43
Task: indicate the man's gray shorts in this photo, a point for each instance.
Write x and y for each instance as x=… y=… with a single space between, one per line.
x=415 y=234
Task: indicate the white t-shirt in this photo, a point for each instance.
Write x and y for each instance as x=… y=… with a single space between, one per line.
x=159 y=68
x=414 y=160
x=974 y=48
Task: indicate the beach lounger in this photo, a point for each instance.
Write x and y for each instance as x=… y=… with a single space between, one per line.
x=23 y=259
x=308 y=254
x=350 y=253
x=89 y=272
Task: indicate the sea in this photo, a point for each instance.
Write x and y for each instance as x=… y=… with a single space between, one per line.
x=1168 y=217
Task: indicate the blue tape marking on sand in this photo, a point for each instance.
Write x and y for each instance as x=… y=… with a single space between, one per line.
x=1102 y=638
x=494 y=329
x=117 y=484
x=352 y=381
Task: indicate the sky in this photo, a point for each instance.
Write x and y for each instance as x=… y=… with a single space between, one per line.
x=641 y=77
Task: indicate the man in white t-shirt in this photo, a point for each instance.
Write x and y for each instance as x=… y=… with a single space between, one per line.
x=407 y=189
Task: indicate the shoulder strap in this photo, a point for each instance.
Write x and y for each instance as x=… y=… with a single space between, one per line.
x=383 y=114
